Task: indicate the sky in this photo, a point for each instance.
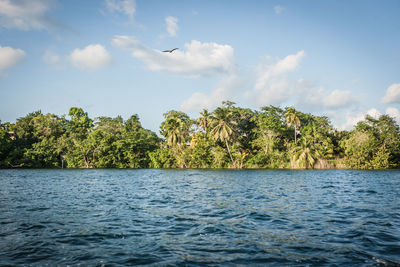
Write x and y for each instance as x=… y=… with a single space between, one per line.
x=339 y=59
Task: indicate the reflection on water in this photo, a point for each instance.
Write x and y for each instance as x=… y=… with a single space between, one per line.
x=197 y=217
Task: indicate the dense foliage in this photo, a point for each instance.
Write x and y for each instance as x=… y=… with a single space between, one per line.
x=227 y=137
x=50 y=141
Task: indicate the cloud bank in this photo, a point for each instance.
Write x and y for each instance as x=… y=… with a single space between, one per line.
x=195 y=59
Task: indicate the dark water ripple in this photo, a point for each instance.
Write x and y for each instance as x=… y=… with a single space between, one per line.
x=199 y=217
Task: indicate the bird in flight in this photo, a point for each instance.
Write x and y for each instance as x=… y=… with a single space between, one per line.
x=171 y=50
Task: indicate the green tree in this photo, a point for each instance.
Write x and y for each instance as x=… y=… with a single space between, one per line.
x=35 y=141
x=80 y=122
x=6 y=147
x=305 y=155
x=373 y=144
x=199 y=153
x=45 y=152
x=203 y=121
x=360 y=148
x=137 y=143
x=293 y=120
x=163 y=158
x=222 y=128
x=319 y=133
x=229 y=136
x=270 y=136
x=175 y=128
x=79 y=151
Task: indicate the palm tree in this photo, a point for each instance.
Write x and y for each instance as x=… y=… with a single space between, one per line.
x=203 y=120
x=269 y=139
x=175 y=128
x=175 y=135
x=223 y=128
x=305 y=155
x=293 y=120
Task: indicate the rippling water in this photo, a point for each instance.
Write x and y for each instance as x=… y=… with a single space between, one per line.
x=199 y=217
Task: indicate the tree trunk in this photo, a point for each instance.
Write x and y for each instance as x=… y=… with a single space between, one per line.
x=85 y=158
x=230 y=154
x=86 y=162
x=93 y=158
x=295 y=135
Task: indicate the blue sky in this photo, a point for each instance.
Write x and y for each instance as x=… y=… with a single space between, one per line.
x=335 y=58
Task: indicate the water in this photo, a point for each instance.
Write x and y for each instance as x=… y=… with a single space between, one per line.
x=199 y=217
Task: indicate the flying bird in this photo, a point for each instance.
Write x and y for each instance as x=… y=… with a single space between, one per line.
x=171 y=50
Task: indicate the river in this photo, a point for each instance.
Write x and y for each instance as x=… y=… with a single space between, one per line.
x=199 y=217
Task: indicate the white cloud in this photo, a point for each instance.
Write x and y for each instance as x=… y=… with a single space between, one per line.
x=127 y=7
x=392 y=94
x=266 y=73
x=275 y=93
x=91 y=57
x=272 y=86
x=278 y=9
x=24 y=14
x=313 y=98
x=51 y=58
x=172 y=25
x=338 y=99
x=309 y=95
x=275 y=86
x=198 y=101
x=10 y=57
x=196 y=58
x=394 y=113
x=373 y=112
x=353 y=118
x=225 y=90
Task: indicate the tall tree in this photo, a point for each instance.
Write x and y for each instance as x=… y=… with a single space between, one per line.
x=176 y=129
x=203 y=120
x=270 y=129
x=75 y=144
x=319 y=132
x=222 y=128
x=293 y=120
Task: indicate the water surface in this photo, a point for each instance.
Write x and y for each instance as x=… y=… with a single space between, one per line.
x=199 y=217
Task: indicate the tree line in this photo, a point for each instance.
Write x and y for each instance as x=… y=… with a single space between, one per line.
x=226 y=137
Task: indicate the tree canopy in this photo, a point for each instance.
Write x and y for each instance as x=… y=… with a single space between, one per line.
x=226 y=137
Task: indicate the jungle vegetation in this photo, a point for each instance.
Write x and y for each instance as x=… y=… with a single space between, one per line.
x=226 y=137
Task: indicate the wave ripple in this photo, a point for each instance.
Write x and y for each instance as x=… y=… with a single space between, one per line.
x=199 y=217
